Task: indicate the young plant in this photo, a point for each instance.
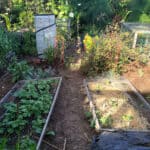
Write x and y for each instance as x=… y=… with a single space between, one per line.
x=106 y=121
x=51 y=133
x=88 y=115
x=26 y=143
x=92 y=123
x=113 y=102
x=28 y=44
x=49 y=55
x=127 y=118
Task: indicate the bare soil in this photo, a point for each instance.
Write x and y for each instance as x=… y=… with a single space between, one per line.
x=115 y=107
x=5 y=85
x=68 y=119
x=140 y=78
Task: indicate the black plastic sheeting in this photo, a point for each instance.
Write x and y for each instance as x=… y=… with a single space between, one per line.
x=122 y=140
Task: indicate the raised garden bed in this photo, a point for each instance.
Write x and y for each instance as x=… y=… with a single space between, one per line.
x=25 y=112
x=115 y=104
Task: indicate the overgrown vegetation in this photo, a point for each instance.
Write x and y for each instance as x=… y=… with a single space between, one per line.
x=8 y=42
x=24 y=117
x=99 y=13
x=19 y=44
x=55 y=55
x=110 y=50
x=28 y=46
x=19 y=70
x=86 y=17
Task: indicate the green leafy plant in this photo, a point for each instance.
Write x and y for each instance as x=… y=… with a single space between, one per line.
x=28 y=44
x=3 y=143
x=19 y=70
x=110 y=51
x=92 y=123
x=106 y=121
x=8 y=42
x=49 y=55
x=51 y=133
x=37 y=125
x=113 y=102
x=32 y=103
x=26 y=143
x=127 y=118
x=88 y=114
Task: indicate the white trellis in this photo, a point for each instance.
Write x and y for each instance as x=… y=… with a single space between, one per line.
x=136 y=29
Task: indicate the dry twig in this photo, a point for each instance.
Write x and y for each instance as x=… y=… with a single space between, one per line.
x=46 y=142
x=65 y=142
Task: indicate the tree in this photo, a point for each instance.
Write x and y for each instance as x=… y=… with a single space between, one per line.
x=140 y=11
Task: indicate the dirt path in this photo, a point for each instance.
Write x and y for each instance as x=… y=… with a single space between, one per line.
x=68 y=120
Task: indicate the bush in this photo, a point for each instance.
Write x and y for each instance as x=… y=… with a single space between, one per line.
x=28 y=44
x=109 y=51
x=26 y=19
x=19 y=70
x=49 y=54
x=57 y=52
x=9 y=41
x=62 y=42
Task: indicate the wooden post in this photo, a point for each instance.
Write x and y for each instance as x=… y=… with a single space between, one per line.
x=146 y=41
x=135 y=40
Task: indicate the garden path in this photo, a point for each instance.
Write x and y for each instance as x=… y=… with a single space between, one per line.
x=68 y=120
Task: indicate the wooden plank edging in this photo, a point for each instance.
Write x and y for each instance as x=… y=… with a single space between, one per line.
x=92 y=107
x=50 y=113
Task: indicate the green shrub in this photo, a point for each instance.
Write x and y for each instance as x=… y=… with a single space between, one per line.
x=57 y=52
x=49 y=54
x=108 y=51
x=26 y=19
x=9 y=41
x=28 y=44
x=19 y=70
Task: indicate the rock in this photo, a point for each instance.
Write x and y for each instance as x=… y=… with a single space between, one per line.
x=122 y=140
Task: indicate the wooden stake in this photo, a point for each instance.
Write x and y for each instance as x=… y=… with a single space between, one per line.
x=46 y=142
x=65 y=142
